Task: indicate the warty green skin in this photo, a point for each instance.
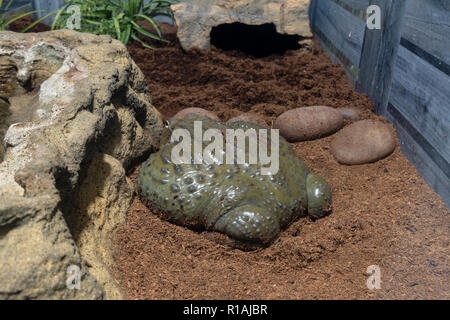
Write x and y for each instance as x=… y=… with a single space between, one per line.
x=234 y=199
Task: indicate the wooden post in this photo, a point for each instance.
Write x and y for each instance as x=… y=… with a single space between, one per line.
x=379 y=53
x=312 y=13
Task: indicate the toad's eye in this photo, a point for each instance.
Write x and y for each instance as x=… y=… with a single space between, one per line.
x=167 y=123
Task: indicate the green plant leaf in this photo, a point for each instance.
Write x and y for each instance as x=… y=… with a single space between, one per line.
x=117 y=18
x=58 y=15
x=114 y=3
x=117 y=27
x=4 y=24
x=146 y=33
x=126 y=35
x=97 y=23
x=2 y=17
x=154 y=24
x=160 y=3
x=36 y=22
x=134 y=37
x=8 y=5
x=20 y=16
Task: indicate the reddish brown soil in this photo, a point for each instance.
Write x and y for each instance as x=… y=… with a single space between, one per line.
x=24 y=22
x=383 y=213
x=232 y=83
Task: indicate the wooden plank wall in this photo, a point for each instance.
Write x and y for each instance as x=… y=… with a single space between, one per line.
x=419 y=101
x=343 y=41
x=46 y=6
x=404 y=68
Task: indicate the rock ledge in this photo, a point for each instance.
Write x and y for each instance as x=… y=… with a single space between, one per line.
x=78 y=114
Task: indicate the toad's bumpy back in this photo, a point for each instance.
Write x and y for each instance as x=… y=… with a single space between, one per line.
x=236 y=199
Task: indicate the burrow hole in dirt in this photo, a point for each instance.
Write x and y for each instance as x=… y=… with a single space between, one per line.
x=256 y=40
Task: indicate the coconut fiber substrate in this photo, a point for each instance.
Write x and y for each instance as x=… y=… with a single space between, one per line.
x=384 y=213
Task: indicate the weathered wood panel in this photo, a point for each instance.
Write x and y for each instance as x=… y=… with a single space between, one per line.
x=379 y=52
x=404 y=68
x=356 y=7
x=312 y=13
x=360 y=5
x=341 y=27
x=341 y=32
x=419 y=100
x=427 y=25
x=422 y=95
x=422 y=160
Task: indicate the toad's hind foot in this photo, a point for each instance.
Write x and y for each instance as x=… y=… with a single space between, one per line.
x=249 y=223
